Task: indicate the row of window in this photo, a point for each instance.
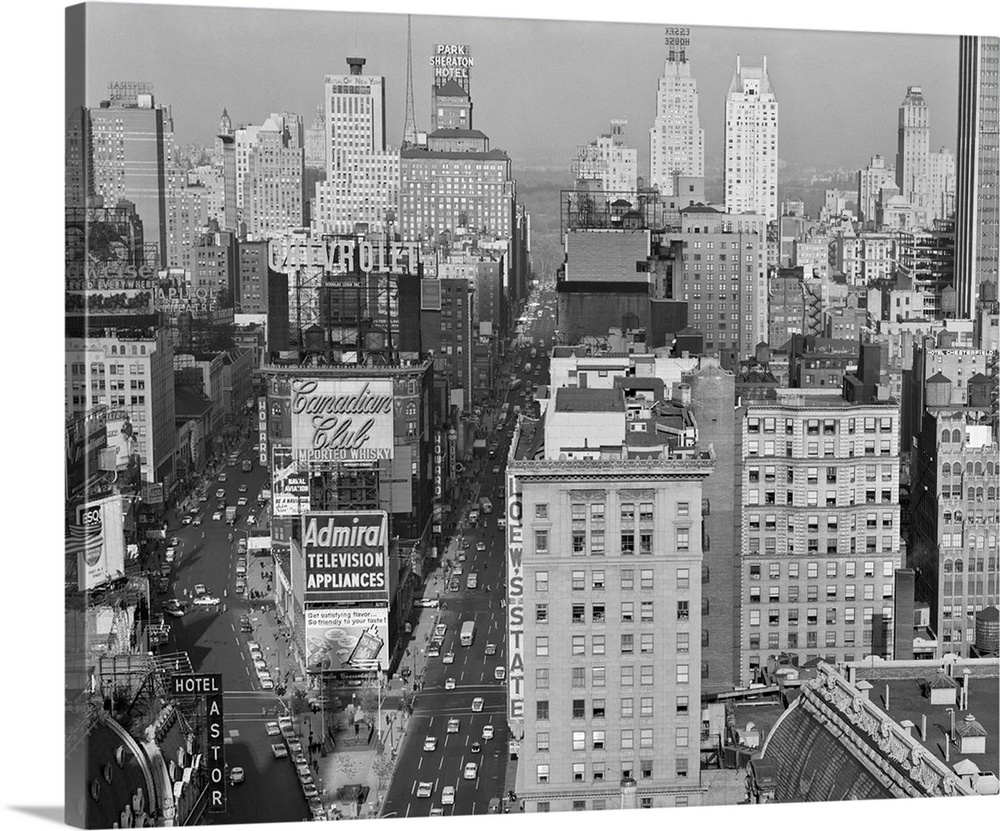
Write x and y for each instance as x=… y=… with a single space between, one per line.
x=598 y=773
x=812 y=640
x=814 y=425
x=594 y=543
x=812 y=498
x=812 y=593
x=812 y=569
x=812 y=616
x=830 y=450
x=598 y=707
x=812 y=522
x=850 y=474
x=578 y=579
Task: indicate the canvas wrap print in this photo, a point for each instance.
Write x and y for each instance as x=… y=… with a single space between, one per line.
x=482 y=416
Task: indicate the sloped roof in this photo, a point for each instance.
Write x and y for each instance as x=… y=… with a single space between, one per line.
x=942 y=682
x=451 y=89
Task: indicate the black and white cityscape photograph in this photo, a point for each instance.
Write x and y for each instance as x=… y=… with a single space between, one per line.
x=516 y=409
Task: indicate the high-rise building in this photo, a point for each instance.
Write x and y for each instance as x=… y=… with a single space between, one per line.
x=913 y=146
x=977 y=201
x=871 y=180
x=133 y=148
x=604 y=564
x=607 y=165
x=722 y=274
x=315 y=141
x=130 y=371
x=79 y=159
x=955 y=508
x=821 y=538
x=751 y=172
x=362 y=175
x=676 y=139
x=274 y=198
x=244 y=140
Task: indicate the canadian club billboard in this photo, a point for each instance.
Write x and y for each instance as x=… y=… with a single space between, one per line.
x=341 y=420
x=346 y=556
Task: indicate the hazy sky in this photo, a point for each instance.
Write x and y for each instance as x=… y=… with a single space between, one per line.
x=539 y=88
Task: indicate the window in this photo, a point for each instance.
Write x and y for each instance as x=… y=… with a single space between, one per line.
x=683 y=641
x=597 y=709
x=646 y=611
x=683 y=674
x=681 y=737
x=542 y=742
x=646 y=642
x=579 y=612
x=683 y=578
x=598 y=644
x=646 y=741
x=597 y=580
x=628 y=611
x=646 y=578
x=628 y=740
x=682 y=610
x=628 y=543
x=627 y=579
x=597 y=739
x=598 y=613
x=579 y=648
x=579 y=738
x=646 y=512
x=683 y=535
x=597 y=676
x=681 y=704
x=541 y=542
x=579 y=580
x=542 y=774
x=579 y=771
x=541 y=581
x=628 y=643
x=541 y=646
x=598 y=772
x=628 y=676
x=627 y=708
x=542 y=678
x=542 y=710
x=541 y=511
x=541 y=613
x=628 y=513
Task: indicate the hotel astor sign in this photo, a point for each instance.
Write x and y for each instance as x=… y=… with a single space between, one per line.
x=341 y=420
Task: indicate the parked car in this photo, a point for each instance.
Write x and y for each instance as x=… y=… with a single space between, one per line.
x=439 y=630
x=480 y=546
x=272 y=728
x=279 y=751
x=220 y=493
x=174 y=612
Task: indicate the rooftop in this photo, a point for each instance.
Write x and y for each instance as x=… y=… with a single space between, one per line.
x=573 y=400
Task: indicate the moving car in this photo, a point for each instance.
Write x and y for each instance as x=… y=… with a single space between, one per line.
x=223 y=477
x=425 y=603
x=217 y=516
x=500 y=673
x=251 y=519
x=496 y=468
x=241 y=502
x=236 y=775
x=487 y=732
x=243 y=488
x=449 y=658
x=279 y=751
x=480 y=546
x=477 y=704
x=453 y=586
x=430 y=744
x=439 y=630
x=491 y=649
x=449 y=683
x=461 y=556
x=448 y=795
x=220 y=493
x=424 y=789
x=471 y=770
x=437 y=811
x=476 y=747
x=458 y=571
x=174 y=542
x=453 y=725
x=207 y=600
x=174 y=612
x=501 y=522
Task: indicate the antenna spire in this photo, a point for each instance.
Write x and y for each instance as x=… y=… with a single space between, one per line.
x=409 y=124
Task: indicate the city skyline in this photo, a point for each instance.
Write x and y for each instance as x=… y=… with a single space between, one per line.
x=826 y=122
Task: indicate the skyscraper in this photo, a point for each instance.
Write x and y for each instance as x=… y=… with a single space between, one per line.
x=273 y=201
x=977 y=201
x=751 y=174
x=676 y=139
x=608 y=163
x=362 y=176
x=913 y=145
x=132 y=149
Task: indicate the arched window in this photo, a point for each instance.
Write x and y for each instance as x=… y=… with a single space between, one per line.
x=133 y=349
x=991 y=494
x=958 y=565
x=704 y=606
x=142 y=350
x=979 y=468
x=946 y=516
x=946 y=469
x=704 y=574
x=114 y=350
x=945 y=437
x=972 y=542
x=704 y=637
x=948 y=566
x=989 y=468
x=956 y=436
x=968 y=468
x=979 y=494
x=970 y=494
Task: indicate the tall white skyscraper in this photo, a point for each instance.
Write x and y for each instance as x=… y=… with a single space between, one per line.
x=362 y=176
x=751 y=174
x=676 y=139
x=913 y=145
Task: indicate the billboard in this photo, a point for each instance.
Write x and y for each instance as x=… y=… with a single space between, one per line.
x=452 y=62
x=341 y=420
x=111 y=288
x=347 y=639
x=97 y=539
x=289 y=485
x=515 y=608
x=122 y=437
x=346 y=556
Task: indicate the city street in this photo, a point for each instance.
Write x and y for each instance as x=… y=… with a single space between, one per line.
x=473 y=670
